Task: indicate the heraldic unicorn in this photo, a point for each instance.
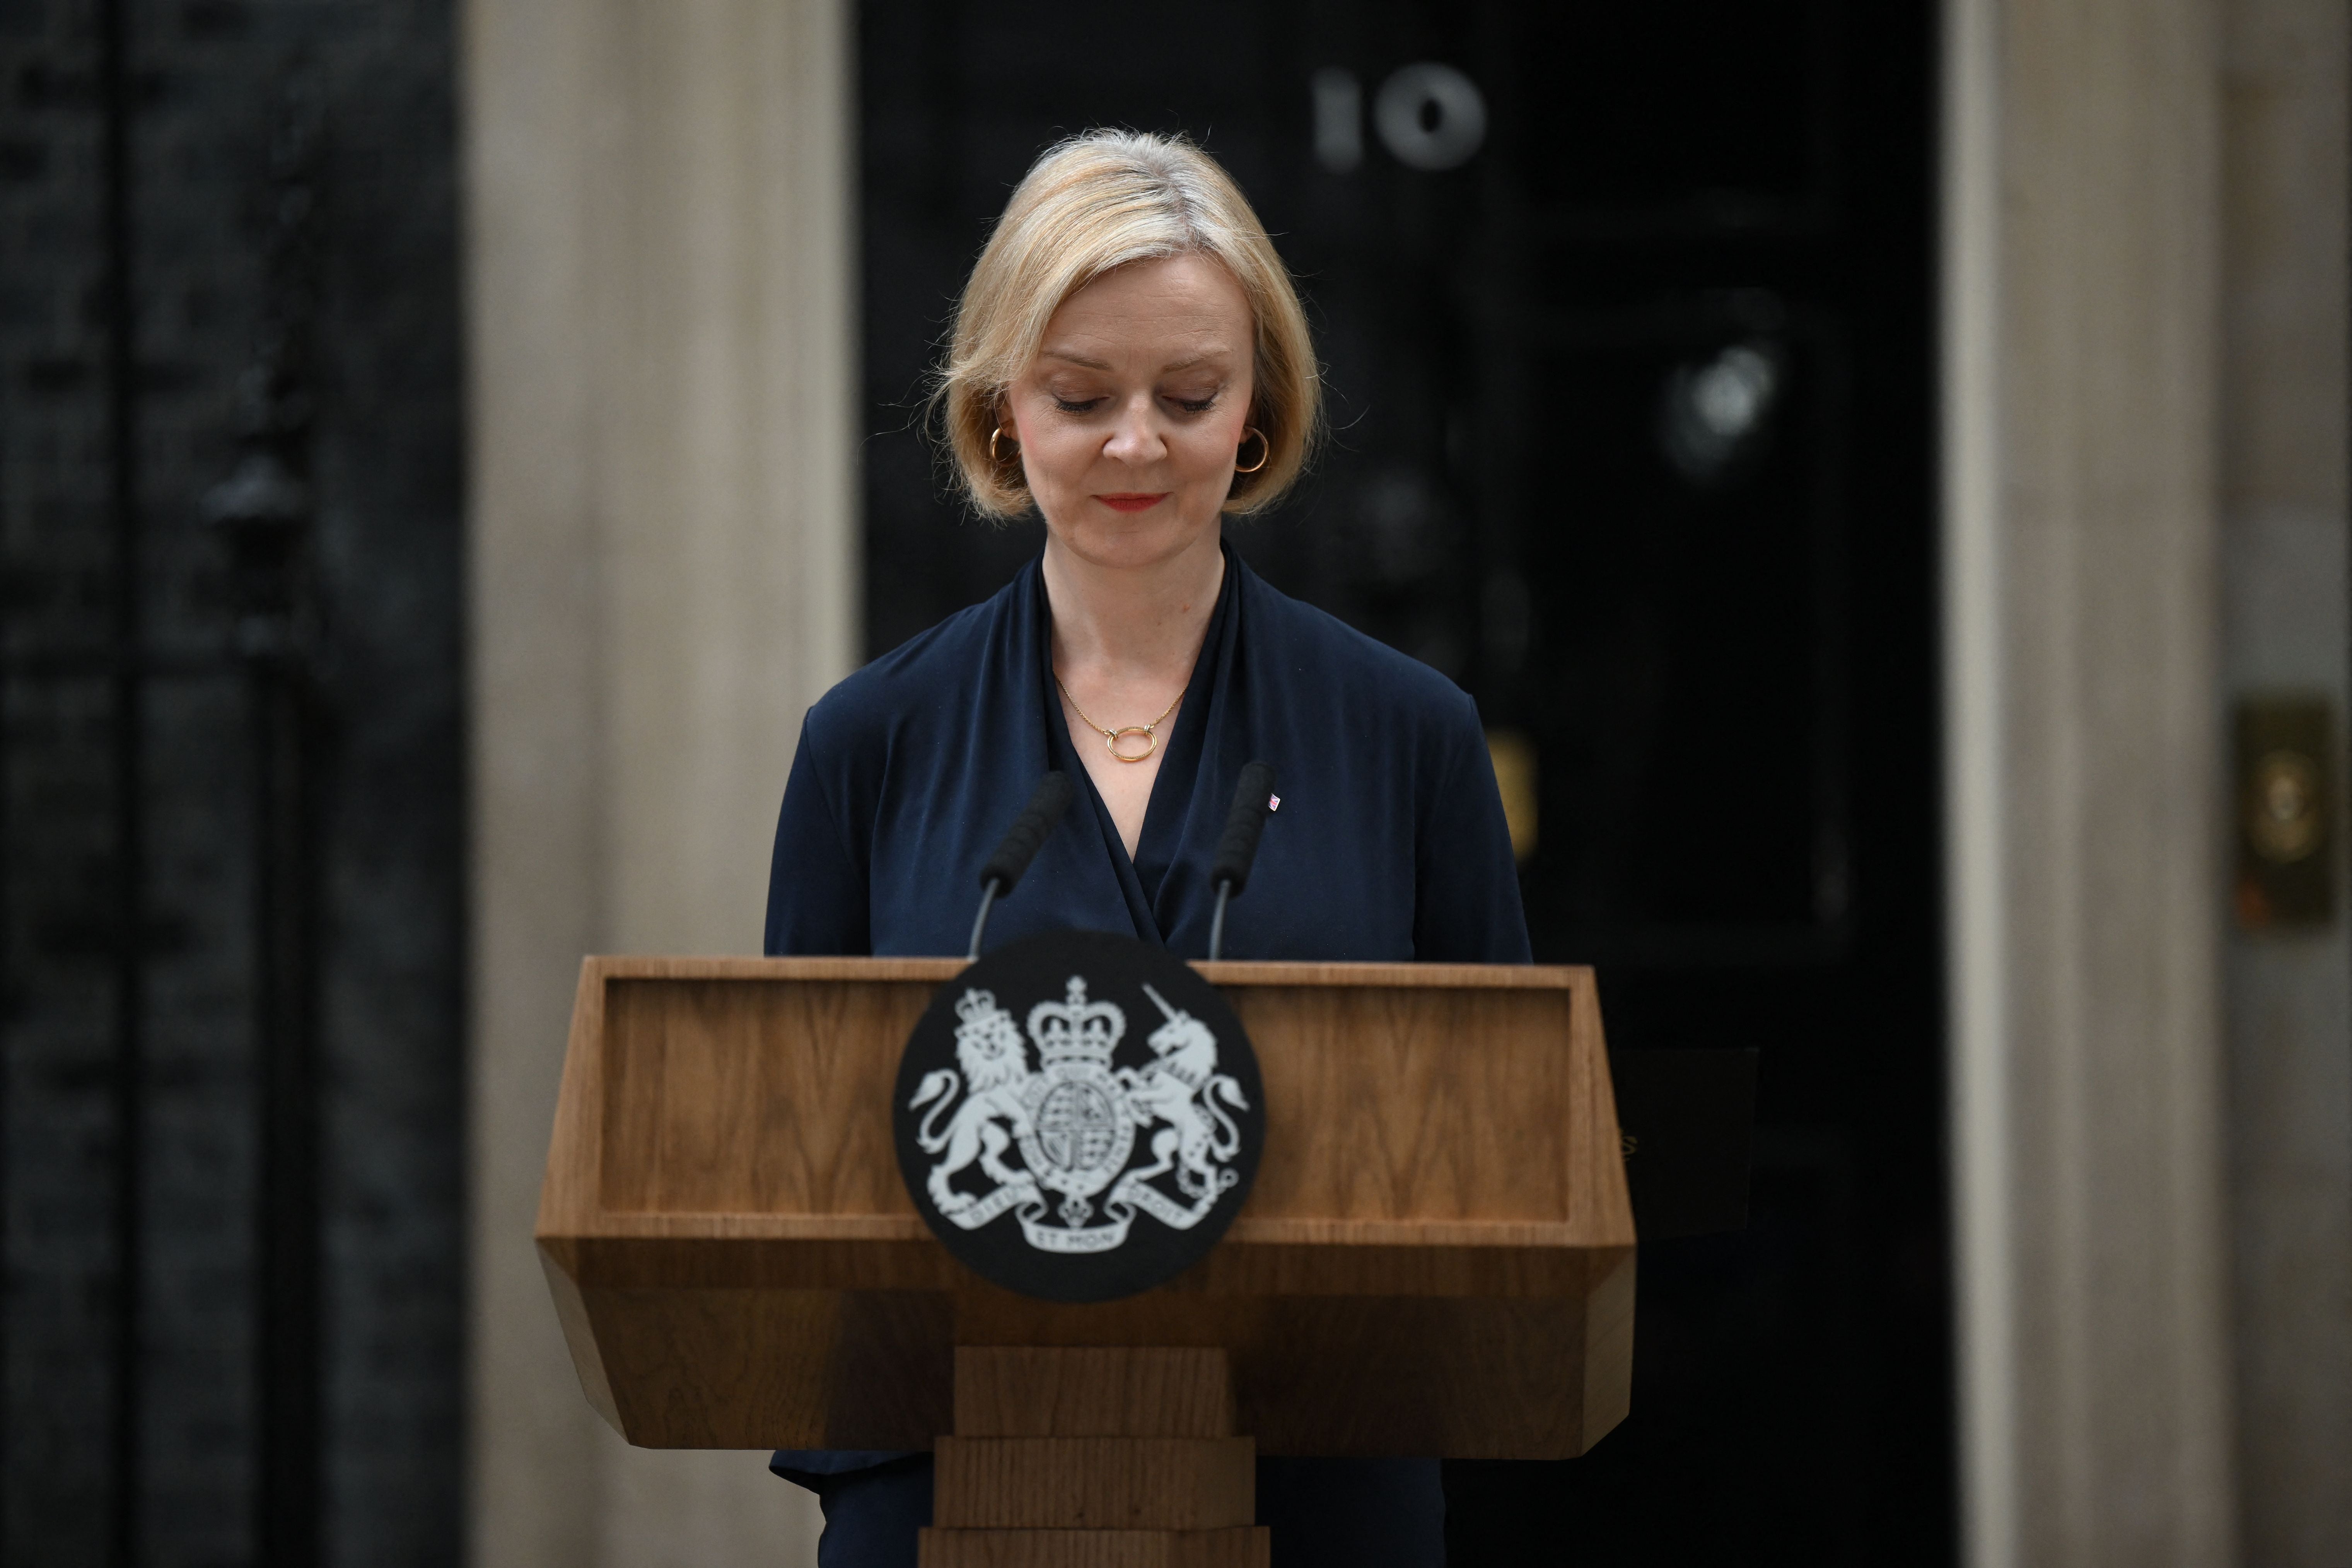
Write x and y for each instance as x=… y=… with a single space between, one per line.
x=1075 y=1120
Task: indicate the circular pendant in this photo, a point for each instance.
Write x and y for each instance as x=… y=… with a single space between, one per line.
x=1151 y=743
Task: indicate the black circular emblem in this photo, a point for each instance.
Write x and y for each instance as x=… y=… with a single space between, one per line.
x=1078 y=1116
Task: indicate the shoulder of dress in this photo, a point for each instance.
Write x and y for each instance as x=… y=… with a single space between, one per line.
x=934 y=666
x=1299 y=634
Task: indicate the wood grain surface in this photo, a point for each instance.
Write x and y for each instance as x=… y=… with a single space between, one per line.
x=1436 y=1257
x=1093 y=1483
x=696 y=1123
x=1532 y=1376
x=1112 y=1455
x=1249 y=1547
x=1026 y=1391
x=1423 y=1104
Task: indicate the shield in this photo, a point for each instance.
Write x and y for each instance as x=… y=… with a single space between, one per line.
x=1078 y=1116
x=1081 y=1137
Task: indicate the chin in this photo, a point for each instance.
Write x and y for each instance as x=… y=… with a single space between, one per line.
x=1146 y=539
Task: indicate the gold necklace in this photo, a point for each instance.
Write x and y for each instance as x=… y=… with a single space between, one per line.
x=1111 y=737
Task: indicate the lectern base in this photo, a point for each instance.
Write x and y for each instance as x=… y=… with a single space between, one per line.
x=1094 y=1458
x=1244 y=1547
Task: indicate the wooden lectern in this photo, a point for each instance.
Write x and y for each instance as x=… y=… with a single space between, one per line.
x=1437 y=1257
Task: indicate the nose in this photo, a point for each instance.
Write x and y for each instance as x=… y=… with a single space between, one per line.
x=1136 y=439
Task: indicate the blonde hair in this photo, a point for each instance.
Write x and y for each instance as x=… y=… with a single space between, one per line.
x=1089 y=204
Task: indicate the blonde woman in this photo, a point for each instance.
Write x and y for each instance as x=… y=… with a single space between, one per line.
x=1131 y=363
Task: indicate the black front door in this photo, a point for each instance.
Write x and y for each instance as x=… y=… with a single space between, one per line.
x=1626 y=312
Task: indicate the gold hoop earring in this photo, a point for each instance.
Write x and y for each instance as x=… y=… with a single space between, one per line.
x=993 y=436
x=1265 y=451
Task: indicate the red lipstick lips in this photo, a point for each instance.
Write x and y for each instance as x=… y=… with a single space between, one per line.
x=1132 y=502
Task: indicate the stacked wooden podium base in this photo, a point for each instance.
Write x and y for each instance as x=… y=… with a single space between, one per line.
x=1094 y=1458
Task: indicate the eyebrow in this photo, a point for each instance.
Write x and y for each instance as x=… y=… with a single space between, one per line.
x=1081 y=360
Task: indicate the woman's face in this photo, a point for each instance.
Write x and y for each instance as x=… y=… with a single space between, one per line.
x=1130 y=418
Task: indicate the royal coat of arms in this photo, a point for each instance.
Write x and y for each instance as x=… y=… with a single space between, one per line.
x=1071 y=1143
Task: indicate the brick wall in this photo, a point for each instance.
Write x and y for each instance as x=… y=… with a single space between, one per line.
x=200 y=88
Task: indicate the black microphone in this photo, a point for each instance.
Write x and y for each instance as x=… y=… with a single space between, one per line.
x=1237 y=846
x=1047 y=803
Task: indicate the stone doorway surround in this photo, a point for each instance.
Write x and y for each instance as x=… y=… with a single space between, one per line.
x=2144 y=438
x=663 y=515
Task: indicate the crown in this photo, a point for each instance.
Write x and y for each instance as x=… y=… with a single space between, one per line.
x=1077 y=1029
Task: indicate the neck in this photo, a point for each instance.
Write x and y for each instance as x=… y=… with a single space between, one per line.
x=1142 y=621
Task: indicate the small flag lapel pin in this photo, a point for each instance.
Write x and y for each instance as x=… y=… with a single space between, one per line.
x=1274 y=803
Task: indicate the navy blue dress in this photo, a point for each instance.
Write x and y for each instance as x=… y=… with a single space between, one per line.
x=1389 y=846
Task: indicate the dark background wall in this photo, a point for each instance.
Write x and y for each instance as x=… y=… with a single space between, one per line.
x=1632 y=410
x=230 y=773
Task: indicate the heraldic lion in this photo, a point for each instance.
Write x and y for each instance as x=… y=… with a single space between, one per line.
x=995 y=1062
